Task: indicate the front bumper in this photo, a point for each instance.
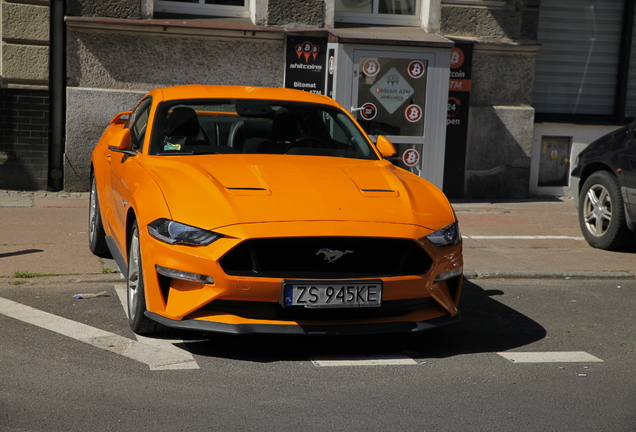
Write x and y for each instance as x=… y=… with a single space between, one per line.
x=300 y=329
x=253 y=301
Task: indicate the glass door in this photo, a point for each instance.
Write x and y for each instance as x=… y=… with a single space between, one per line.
x=389 y=98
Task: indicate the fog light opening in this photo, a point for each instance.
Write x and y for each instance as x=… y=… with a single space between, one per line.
x=187 y=276
x=449 y=275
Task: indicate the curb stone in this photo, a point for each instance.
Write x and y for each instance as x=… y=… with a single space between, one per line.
x=532 y=274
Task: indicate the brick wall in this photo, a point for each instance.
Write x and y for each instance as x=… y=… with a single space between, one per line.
x=24 y=139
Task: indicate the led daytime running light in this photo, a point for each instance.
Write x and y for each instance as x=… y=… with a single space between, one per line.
x=187 y=276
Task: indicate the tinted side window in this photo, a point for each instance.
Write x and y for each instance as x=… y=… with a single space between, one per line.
x=138 y=122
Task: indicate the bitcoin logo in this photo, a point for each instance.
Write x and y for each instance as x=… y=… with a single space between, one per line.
x=413 y=113
x=456 y=58
x=370 y=67
x=410 y=157
x=416 y=69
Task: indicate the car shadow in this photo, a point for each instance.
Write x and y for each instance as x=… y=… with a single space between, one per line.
x=486 y=326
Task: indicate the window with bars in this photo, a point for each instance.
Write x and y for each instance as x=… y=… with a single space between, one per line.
x=380 y=12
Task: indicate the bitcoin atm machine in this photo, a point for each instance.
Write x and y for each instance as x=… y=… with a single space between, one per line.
x=396 y=87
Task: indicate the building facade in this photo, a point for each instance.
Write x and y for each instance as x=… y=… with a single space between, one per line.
x=496 y=96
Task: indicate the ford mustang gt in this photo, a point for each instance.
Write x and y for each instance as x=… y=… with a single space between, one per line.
x=260 y=210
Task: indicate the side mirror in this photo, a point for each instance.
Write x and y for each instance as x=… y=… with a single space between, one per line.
x=121 y=118
x=385 y=146
x=122 y=142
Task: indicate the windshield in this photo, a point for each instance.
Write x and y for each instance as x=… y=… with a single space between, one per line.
x=256 y=127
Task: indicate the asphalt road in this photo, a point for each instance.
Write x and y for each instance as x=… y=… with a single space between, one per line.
x=72 y=364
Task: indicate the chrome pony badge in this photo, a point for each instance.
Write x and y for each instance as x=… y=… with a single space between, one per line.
x=332 y=255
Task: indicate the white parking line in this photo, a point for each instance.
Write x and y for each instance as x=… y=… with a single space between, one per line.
x=550 y=357
x=164 y=344
x=384 y=360
x=155 y=358
x=477 y=237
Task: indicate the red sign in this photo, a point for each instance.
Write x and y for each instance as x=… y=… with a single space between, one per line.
x=410 y=157
x=370 y=67
x=413 y=113
x=368 y=111
x=416 y=69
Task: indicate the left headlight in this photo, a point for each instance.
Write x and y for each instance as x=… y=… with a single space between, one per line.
x=171 y=232
x=446 y=236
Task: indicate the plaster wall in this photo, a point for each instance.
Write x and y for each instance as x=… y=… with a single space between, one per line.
x=24 y=49
x=130 y=9
x=580 y=136
x=87 y=115
x=515 y=20
x=144 y=61
x=109 y=72
x=25 y=21
x=296 y=13
x=25 y=63
x=501 y=119
x=499 y=151
x=502 y=76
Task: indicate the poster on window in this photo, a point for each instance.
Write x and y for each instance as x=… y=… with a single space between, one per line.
x=392 y=96
x=459 y=87
x=306 y=63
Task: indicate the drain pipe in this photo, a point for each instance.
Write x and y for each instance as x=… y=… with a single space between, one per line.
x=57 y=96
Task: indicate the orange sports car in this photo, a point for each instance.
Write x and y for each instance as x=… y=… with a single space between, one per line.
x=266 y=210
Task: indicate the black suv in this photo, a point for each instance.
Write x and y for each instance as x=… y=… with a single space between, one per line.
x=604 y=187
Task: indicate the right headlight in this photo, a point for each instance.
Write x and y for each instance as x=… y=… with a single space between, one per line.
x=172 y=232
x=446 y=236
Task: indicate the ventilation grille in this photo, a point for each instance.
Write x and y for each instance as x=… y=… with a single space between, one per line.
x=326 y=258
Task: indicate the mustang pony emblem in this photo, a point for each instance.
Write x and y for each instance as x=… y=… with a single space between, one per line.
x=332 y=255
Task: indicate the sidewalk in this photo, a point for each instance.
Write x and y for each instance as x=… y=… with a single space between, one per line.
x=47 y=233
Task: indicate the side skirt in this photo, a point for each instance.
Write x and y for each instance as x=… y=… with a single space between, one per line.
x=117 y=256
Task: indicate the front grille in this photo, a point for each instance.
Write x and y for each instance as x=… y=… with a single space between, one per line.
x=326 y=258
x=275 y=311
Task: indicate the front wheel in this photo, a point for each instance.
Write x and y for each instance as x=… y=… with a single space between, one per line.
x=602 y=212
x=139 y=323
x=96 y=234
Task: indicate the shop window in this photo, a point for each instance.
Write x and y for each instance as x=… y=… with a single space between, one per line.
x=220 y=8
x=379 y=12
x=577 y=65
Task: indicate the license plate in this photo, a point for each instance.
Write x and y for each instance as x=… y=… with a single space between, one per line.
x=335 y=294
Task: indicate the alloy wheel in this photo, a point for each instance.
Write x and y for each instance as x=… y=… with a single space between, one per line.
x=597 y=210
x=134 y=272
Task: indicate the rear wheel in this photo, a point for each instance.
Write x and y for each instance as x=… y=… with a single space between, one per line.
x=139 y=323
x=602 y=212
x=96 y=234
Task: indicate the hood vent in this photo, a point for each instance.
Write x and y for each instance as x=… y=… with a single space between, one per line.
x=248 y=191
x=380 y=193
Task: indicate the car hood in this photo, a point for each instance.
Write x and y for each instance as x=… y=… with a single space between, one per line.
x=215 y=191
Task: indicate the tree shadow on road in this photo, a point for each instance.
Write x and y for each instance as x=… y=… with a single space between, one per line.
x=486 y=326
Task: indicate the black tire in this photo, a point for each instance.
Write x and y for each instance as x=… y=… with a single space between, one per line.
x=135 y=294
x=602 y=212
x=96 y=234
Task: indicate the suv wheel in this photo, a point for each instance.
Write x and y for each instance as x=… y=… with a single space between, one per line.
x=602 y=212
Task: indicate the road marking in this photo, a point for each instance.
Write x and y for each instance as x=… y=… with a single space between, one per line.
x=384 y=360
x=477 y=237
x=550 y=357
x=164 y=344
x=155 y=358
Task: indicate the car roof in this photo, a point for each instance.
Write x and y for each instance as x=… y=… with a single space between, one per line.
x=197 y=91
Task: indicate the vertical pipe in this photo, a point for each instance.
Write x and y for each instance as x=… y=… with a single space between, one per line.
x=57 y=97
